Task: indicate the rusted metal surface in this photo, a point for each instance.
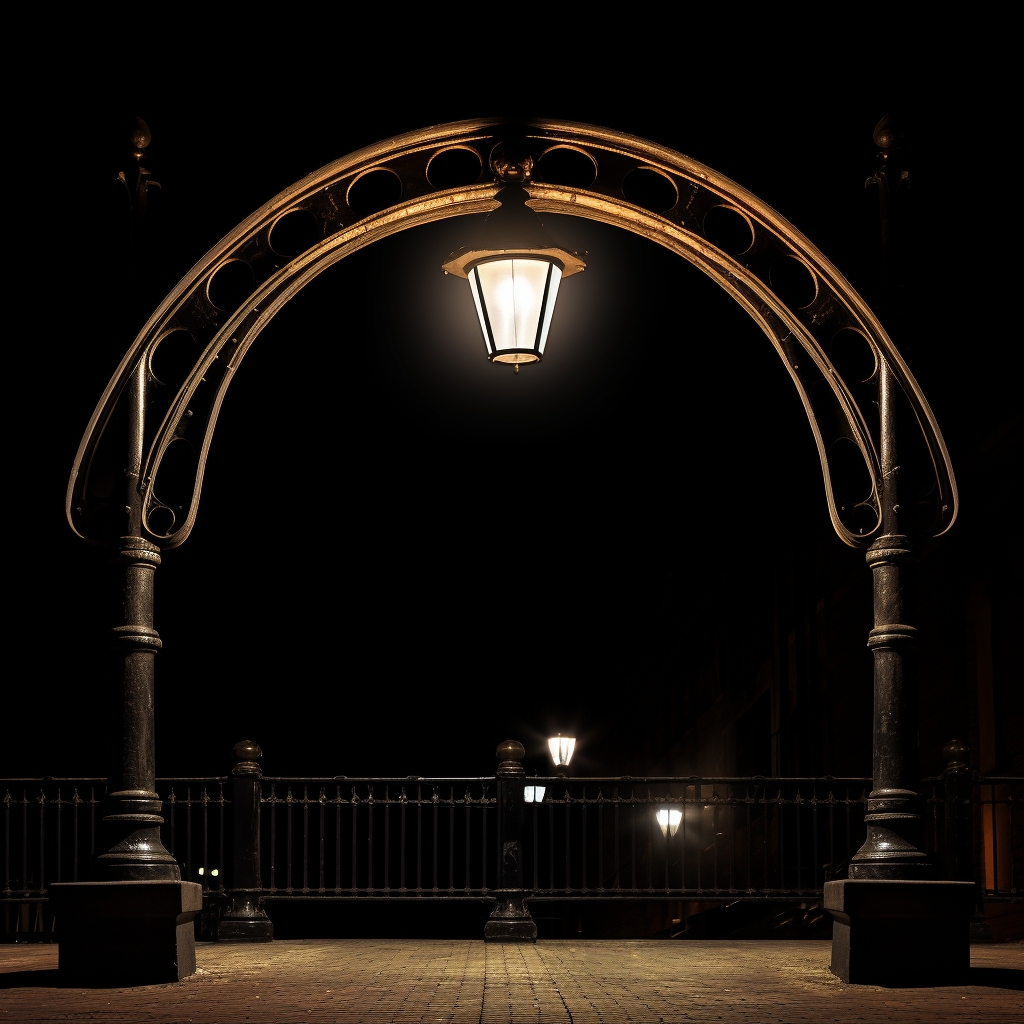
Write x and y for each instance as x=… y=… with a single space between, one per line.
x=628 y=174
x=614 y=982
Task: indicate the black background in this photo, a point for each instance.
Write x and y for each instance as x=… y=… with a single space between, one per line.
x=405 y=554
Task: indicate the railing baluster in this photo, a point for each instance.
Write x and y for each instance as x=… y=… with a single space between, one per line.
x=401 y=843
x=451 y=838
x=469 y=833
x=568 y=839
x=337 y=838
x=387 y=837
x=75 y=805
x=355 y=833
x=41 y=885
x=323 y=812
x=615 y=833
x=419 y=838
x=273 y=836
x=583 y=841
x=305 y=839
x=369 y=838
x=483 y=846
x=288 y=809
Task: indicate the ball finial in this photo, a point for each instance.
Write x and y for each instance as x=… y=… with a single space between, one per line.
x=510 y=754
x=247 y=753
x=956 y=754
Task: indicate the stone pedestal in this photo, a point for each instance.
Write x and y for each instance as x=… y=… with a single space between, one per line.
x=245 y=921
x=900 y=933
x=510 y=921
x=125 y=933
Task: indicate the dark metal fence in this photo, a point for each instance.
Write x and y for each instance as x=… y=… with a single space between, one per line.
x=379 y=837
x=51 y=834
x=719 y=837
x=587 y=838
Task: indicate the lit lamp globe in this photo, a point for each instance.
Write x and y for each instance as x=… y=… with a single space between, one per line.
x=668 y=819
x=514 y=274
x=561 y=748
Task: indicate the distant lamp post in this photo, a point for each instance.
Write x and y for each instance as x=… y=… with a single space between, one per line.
x=515 y=270
x=561 y=748
x=533 y=794
x=668 y=819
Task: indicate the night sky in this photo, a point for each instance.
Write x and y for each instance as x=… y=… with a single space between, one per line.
x=405 y=554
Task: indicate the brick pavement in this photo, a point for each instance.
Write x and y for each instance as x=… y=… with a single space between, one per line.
x=593 y=982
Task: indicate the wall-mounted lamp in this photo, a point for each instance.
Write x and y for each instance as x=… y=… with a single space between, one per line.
x=668 y=819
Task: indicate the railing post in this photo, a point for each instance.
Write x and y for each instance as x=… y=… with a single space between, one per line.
x=510 y=921
x=959 y=812
x=245 y=919
x=958 y=846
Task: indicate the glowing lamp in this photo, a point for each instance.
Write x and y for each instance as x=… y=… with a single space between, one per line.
x=561 y=748
x=668 y=819
x=533 y=794
x=514 y=274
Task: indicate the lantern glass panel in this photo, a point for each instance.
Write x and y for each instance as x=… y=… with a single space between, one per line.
x=514 y=301
x=561 y=748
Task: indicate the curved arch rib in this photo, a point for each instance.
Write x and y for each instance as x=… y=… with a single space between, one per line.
x=800 y=336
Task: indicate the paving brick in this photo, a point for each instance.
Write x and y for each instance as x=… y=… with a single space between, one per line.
x=456 y=981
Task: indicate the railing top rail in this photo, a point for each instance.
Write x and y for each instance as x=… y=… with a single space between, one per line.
x=89 y=778
x=403 y=780
x=691 y=779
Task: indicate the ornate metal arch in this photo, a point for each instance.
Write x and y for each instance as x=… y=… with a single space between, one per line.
x=801 y=336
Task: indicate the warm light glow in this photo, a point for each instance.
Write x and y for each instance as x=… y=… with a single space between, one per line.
x=561 y=748
x=214 y=872
x=514 y=300
x=668 y=819
x=202 y=871
x=533 y=794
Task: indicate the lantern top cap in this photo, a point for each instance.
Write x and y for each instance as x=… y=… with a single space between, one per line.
x=513 y=231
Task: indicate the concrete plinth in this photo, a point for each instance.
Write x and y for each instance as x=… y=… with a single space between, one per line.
x=125 y=933
x=900 y=933
x=510 y=921
x=245 y=921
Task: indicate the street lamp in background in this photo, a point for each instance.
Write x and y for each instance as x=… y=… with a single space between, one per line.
x=561 y=748
x=669 y=819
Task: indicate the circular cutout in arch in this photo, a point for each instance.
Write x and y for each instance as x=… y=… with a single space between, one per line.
x=452 y=168
x=793 y=281
x=853 y=357
x=727 y=229
x=650 y=189
x=567 y=165
x=373 y=191
x=173 y=357
x=160 y=520
x=175 y=480
x=231 y=285
x=294 y=233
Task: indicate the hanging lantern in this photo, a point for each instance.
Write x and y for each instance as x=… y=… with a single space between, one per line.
x=514 y=274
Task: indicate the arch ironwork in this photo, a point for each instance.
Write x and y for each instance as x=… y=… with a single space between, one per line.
x=581 y=170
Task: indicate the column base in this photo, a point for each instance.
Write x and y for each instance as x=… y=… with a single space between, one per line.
x=125 y=933
x=900 y=933
x=245 y=921
x=510 y=921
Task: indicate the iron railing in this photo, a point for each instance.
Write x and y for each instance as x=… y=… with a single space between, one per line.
x=589 y=838
x=379 y=837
